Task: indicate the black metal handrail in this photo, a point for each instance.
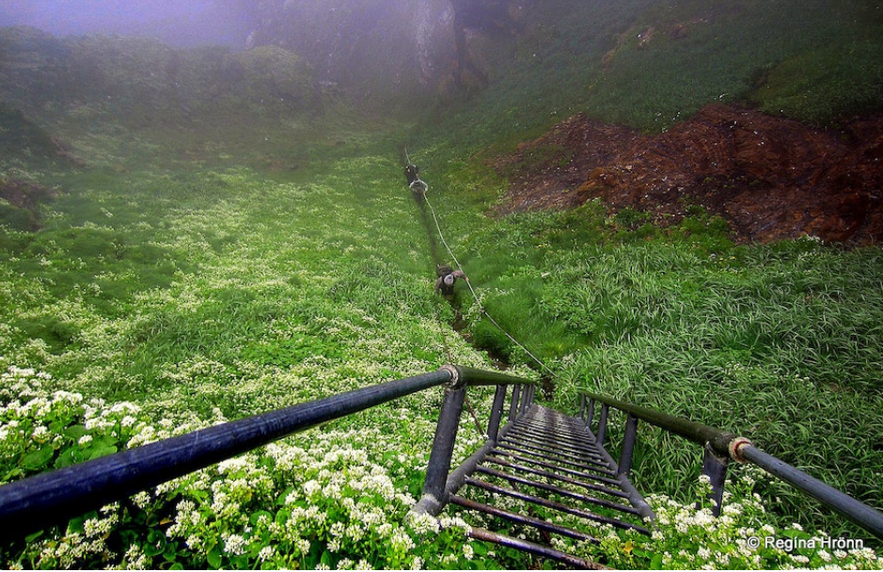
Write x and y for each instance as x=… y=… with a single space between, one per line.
x=720 y=447
x=54 y=497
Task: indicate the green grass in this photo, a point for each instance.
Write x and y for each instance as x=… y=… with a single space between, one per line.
x=777 y=342
x=219 y=293
x=229 y=267
x=752 y=51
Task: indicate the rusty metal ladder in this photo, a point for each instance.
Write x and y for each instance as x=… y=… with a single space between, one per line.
x=548 y=477
x=545 y=482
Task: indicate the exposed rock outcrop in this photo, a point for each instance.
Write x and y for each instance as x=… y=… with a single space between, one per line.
x=770 y=177
x=372 y=47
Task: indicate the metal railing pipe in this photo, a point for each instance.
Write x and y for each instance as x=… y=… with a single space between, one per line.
x=46 y=499
x=472 y=376
x=856 y=511
x=696 y=432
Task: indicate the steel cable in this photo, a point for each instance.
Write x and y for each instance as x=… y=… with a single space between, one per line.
x=423 y=189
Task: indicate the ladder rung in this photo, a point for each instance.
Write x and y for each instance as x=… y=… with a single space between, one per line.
x=541 y=463
x=555 y=505
x=534 y=548
x=536 y=451
x=551 y=475
x=521 y=519
x=557 y=490
x=553 y=442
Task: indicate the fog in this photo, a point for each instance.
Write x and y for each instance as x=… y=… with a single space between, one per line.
x=179 y=23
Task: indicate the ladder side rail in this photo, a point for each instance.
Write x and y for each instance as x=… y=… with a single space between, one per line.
x=721 y=446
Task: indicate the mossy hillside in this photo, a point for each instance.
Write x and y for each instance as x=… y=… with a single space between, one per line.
x=652 y=64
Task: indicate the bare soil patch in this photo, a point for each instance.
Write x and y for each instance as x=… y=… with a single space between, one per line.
x=770 y=178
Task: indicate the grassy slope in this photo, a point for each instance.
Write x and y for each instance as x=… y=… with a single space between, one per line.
x=587 y=56
x=776 y=342
x=203 y=285
x=201 y=293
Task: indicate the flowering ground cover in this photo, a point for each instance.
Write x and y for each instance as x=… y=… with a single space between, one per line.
x=155 y=304
x=158 y=300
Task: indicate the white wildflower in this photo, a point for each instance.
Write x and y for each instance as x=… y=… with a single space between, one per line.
x=266 y=553
x=234 y=544
x=704 y=553
x=311 y=487
x=141 y=499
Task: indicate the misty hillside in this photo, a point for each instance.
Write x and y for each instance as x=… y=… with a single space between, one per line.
x=671 y=202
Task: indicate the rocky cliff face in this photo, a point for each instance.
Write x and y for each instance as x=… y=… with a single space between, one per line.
x=372 y=47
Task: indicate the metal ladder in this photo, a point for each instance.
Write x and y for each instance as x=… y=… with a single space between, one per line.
x=546 y=469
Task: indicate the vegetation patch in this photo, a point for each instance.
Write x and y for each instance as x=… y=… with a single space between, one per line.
x=197 y=269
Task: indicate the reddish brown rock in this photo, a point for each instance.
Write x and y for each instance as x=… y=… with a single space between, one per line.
x=770 y=177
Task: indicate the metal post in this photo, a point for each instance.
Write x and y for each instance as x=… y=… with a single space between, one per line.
x=493 y=426
x=442 y=450
x=602 y=424
x=525 y=400
x=715 y=467
x=590 y=416
x=513 y=406
x=628 y=445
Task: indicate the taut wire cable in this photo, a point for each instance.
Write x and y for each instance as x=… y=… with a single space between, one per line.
x=423 y=188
